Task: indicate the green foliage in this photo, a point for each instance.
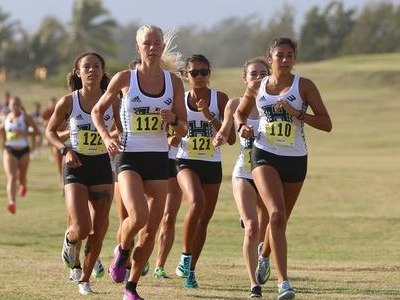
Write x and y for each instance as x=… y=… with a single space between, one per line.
x=377 y=30
x=323 y=33
x=91 y=28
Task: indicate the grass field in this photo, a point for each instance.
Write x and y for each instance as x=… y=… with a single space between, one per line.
x=343 y=236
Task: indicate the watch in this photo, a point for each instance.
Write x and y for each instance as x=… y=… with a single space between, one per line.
x=64 y=150
x=240 y=127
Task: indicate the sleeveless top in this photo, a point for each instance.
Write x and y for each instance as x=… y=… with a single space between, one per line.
x=197 y=144
x=279 y=132
x=143 y=128
x=84 y=137
x=10 y=125
x=242 y=167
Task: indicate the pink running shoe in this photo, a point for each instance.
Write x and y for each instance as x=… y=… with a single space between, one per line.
x=117 y=268
x=11 y=208
x=128 y=295
x=22 y=191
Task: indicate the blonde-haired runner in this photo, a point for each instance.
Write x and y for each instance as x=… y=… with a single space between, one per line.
x=152 y=98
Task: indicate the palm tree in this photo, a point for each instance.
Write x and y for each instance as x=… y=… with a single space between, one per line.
x=48 y=44
x=7 y=31
x=91 y=28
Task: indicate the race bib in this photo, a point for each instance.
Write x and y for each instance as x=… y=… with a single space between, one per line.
x=247 y=160
x=200 y=147
x=11 y=136
x=147 y=123
x=280 y=133
x=90 y=142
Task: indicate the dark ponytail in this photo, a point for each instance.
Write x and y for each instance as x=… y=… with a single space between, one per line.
x=75 y=82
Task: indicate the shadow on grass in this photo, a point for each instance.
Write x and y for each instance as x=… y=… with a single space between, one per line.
x=350 y=291
x=19 y=244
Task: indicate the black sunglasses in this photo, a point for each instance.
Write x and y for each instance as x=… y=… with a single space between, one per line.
x=197 y=72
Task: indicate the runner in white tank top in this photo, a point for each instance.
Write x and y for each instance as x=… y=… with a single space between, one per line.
x=84 y=138
x=152 y=97
x=279 y=157
x=199 y=162
x=87 y=169
x=197 y=144
x=253 y=213
x=280 y=132
x=14 y=130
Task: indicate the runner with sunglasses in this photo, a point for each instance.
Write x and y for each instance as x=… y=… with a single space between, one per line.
x=152 y=98
x=279 y=154
x=199 y=162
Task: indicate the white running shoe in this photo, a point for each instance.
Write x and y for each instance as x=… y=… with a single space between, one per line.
x=98 y=269
x=68 y=253
x=259 y=248
x=285 y=291
x=85 y=288
x=75 y=274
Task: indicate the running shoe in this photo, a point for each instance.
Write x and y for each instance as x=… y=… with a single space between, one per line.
x=259 y=249
x=263 y=270
x=22 y=191
x=11 y=208
x=159 y=272
x=183 y=269
x=98 y=270
x=68 y=253
x=285 y=291
x=128 y=273
x=146 y=269
x=190 y=281
x=128 y=295
x=255 y=292
x=118 y=265
x=75 y=273
x=84 y=288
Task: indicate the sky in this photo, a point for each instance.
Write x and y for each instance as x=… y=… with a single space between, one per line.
x=165 y=13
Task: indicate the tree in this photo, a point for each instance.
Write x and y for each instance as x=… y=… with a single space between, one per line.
x=91 y=28
x=377 y=30
x=323 y=34
x=46 y=46
x=282 y=24
x=7 y=31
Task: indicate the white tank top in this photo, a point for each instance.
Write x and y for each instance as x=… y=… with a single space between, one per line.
x=279 y=132
x=143 y=128
x=84 y=137
x=10 y=125
x=242 y=167
x=197 y=144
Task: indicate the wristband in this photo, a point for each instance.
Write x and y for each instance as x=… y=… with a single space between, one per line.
x=240 y=127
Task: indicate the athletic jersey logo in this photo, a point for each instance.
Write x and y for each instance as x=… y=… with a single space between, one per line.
x=203 y=130
x=79 y=117
x=143 y=110
x=107 y=117
x=274 y=115
x=84 y=126
x=136 y=99
x=291 y=98
x=168 y=101
x=262 y=99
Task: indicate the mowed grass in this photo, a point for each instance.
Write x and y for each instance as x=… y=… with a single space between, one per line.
x=343 y=236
